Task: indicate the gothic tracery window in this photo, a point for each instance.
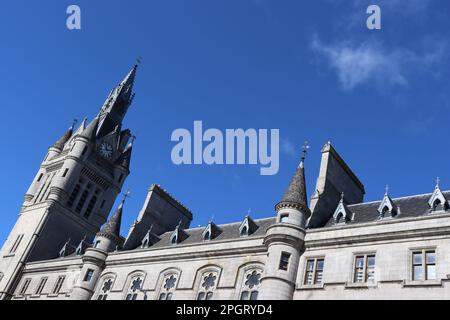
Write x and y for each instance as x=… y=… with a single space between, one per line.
x=208 y=285
x=135 y=288
x=105 y=289
x=252 y=282
x=168 y=287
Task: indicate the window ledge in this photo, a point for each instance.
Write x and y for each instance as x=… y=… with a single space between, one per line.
x=425 y=283
x=9 y=255
x=360 y=285
x=311 y=287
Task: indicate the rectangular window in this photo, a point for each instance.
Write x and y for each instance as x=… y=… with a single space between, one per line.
x=424 y=265
x=284 y=218
x=74 y=195
x=16 y=244
x=284 y=261
x=25 y=286
x=89 y=275
x=364 y=268
x=65 y=173
x=40 y=177
x=82 y=201
x=314 y=271
x=58 y=285
x=41 y=286
x=103 y=204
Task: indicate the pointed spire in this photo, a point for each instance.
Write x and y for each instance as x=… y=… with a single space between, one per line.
x=63 y=140
x=116 y=105
x=296 y=192
x=91 y=129
x=112 y=227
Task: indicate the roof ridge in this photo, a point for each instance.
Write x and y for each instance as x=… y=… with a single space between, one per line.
x=396 y=199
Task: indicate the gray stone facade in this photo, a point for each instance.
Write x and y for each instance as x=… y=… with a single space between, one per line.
x=337 y=247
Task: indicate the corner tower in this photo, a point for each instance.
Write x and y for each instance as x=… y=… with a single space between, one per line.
x=285 y=239
x=74 y=189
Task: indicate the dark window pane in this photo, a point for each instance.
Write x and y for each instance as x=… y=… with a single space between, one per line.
x=371 y=261
x=209 y=296
x=201 y=296
x=254 y=295
x=169 y=296
x=320 y=264
x=162 y=296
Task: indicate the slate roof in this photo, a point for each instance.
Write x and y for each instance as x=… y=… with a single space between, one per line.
x=409 y=207
x=296 y=192
x=229 y=232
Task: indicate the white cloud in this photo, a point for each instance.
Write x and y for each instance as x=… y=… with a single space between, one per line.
x=370 y=61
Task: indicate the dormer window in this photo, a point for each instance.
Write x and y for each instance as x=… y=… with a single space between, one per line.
x=211 y=232
x=247 y=227
x=342 y=214
x=438 y=202
x=284 y=218
x=388 y=208
x=174 y=240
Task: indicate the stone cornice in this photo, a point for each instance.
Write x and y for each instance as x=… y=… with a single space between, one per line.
x=127 y=260
x=293 y=205
x=379 y=237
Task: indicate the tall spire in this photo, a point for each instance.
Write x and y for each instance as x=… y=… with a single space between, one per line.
x=116 y=105
x=296 y=193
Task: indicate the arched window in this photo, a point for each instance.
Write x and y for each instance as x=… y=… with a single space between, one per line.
x=207 y=236
x=174 y=240
x=339 y=217
x=134 y=288
x=251 y=284
x=244 y=231
x=436 y=204
x=168 y=286
x=208 y=285
x=385 y=210
x=105 y=289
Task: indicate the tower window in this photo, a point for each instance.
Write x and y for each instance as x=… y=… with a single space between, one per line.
x=89 y=275
x=58 y=285
x=74 y=195
x=120 y=178
x=25 y=286
x=284 y=218
x=284 y=261
x=16 y=244
x=90 y=207
x=65 y=173
x=103 y=204
x=40 y=177
x=84 y=151
x=83 y=199
x=41 y=286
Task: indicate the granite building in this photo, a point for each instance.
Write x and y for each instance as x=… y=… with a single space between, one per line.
x=63 y=246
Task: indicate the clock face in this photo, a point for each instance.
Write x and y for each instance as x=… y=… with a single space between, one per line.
x=106 y=150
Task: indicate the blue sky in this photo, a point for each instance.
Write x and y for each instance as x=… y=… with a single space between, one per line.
x=310 y=68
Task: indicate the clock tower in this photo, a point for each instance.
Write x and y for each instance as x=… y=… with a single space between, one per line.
x=75 y=188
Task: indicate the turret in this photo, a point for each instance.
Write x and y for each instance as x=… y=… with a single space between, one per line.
x=284 y=240
x=106 y=241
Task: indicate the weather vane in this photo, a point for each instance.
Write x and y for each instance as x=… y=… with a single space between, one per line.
x=139 y=60
x=305 y=149
x=438 y=182
x=387 y=189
